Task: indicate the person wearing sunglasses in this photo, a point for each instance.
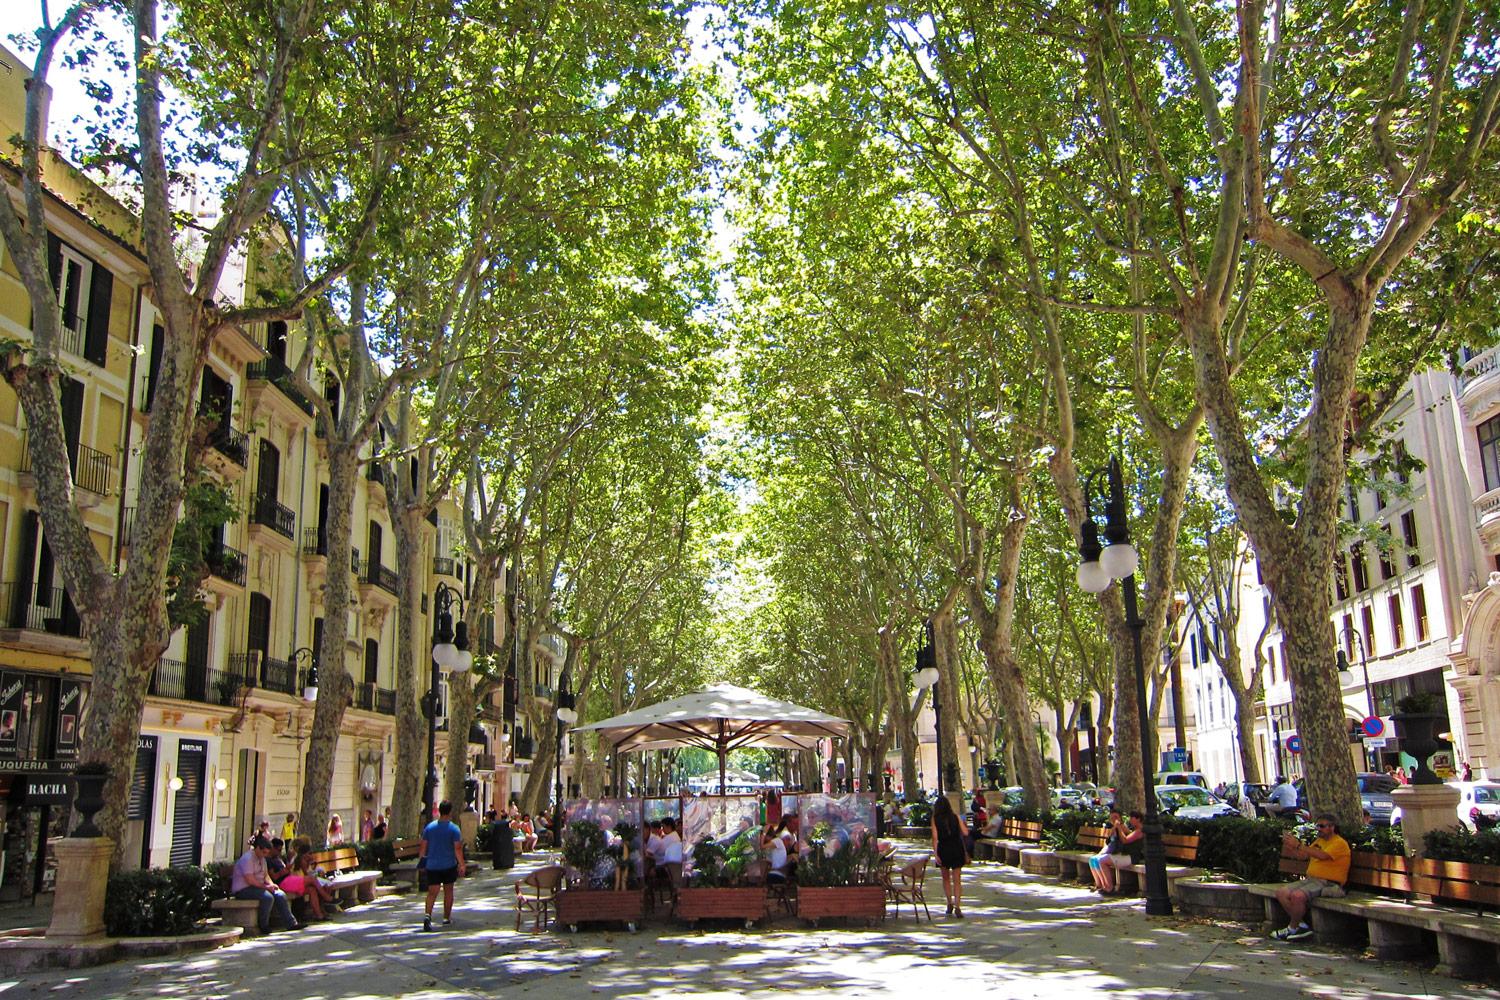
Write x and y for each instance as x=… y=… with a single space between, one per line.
x=1327 y=859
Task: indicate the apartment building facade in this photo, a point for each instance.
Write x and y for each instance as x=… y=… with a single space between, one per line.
x=224 y=734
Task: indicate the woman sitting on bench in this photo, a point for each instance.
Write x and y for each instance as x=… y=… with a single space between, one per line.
x=302 y=883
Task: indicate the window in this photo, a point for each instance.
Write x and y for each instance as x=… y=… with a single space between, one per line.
x=1403 y=459
x=1347 y=632
x=1489 y=452
x=1367 y=623
x=1361 y=571
x=1376 y=493
x=1387 y=566
x=1271 y=663
x=1340 y=576
x=1353 y=494
x=1409 y=538
x=1398 y=633
x=372 y=661
x=1419 y=612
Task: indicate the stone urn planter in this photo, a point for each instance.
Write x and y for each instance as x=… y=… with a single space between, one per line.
x=747 y=904
x=576 y=905
x=1219 y=901
x=854 y=902
x=88 y=798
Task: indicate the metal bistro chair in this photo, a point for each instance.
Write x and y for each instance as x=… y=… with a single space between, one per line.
x=907 y=887
x=537 y=894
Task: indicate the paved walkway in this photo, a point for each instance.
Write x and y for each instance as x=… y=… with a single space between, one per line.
x=1023 y=936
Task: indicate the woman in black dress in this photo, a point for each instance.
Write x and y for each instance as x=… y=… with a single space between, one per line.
x=949 y=837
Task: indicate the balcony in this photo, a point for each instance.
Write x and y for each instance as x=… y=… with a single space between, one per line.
x=372 y=574
x=225 y=564
x=1479 y=386
x=445 y=566
x=40 y=618
x=232 y=446
x=385 y=701
x=272 y=523
x=379 y=481
x=484 y=762
x=93 y=472
x=287 y=401
x=127 y=526
x=314 y=543
x=267 y=673
x=1487 y=519
x=196 y=682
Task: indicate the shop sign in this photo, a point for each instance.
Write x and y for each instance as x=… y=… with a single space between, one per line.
x=69 y=710
x=52 y=789
x=12 y=690
x=36 y=766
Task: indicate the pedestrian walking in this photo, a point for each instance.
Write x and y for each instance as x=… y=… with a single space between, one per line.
x=442 y=855
x=949 y=843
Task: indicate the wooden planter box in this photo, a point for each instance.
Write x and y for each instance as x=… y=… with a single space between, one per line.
x=856 y=902
x=747 y=904
x=580 y=906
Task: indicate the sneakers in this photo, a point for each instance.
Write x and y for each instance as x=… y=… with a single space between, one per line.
x=1297 y=933
x=447 y=921
x=427 y=923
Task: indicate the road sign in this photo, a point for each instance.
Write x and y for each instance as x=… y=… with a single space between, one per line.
x=1179 y=756
x=1373 y=725
x=1375 y=742
x=1294 y=744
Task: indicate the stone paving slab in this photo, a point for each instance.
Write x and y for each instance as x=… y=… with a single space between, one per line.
x=1024 y=936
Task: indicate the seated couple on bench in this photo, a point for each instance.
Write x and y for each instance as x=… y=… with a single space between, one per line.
x=1126 y=846
x=251 y=880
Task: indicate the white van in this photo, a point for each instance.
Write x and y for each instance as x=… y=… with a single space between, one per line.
x=1478 y=803
x=1181 y=778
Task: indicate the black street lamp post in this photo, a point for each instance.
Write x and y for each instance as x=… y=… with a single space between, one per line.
x=450 y=654
x=1117 y=560
x=926 y=676
x=1348 y=634
x=566 y=716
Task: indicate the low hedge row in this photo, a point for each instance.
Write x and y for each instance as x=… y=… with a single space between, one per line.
x=1482 y=848
x=157 y=902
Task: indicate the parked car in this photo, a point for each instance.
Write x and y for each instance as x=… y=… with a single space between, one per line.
x=1182 y=778
x=1478 y=804
x=1374 y=796
x=1068 y=797
x=1192 y=802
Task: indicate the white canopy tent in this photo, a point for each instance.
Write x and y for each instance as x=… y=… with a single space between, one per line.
x=720 y=718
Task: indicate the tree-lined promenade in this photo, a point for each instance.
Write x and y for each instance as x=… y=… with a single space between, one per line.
x=979 y=249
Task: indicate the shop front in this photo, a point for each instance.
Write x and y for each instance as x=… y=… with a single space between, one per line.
x=39 y=723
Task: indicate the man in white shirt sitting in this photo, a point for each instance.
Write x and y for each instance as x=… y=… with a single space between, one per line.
x=1283 y=798
x=671 y=851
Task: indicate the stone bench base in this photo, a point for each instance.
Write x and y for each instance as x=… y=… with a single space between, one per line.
x=1074 y=866
x=1038 y=861
x=1467 y=945
x=1132 y=878
x=241 y=913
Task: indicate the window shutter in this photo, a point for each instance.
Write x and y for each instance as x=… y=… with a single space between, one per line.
x=101 y=294
x=54 y=259
x=21 y=598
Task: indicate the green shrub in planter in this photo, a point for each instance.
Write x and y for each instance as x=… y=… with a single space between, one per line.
x=1061 y=830
x=1245 y=849
x=158 y=902
x=1378 y=840
x=1482 y=848
x=921 y=814
x=377 y=855
x=482 y=838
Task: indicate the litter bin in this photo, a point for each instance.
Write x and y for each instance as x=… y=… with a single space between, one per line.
x=502 y=845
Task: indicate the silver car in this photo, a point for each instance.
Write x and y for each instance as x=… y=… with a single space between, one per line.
x=1192 y=802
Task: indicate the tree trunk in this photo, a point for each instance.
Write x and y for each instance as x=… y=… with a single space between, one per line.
x=411 y=683
x=538 y=791
x=335 y=686
x=462 y=692
x=903 y=718
x=945 y=641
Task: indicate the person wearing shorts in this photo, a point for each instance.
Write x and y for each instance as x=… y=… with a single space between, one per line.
x=442 y=854
x=1328 y=859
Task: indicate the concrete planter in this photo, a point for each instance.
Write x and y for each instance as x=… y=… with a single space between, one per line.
x=579 y=906
x=856 y=902
x=748 y=904
x=1038 y=861
x=1219 y=901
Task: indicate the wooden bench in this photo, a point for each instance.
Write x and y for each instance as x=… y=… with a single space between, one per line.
x=241 y=913
x=343 y=875
x=1406 y=909
x=1074 y=865
x=1180 y=848
x=1016 y=835
x=406 y=852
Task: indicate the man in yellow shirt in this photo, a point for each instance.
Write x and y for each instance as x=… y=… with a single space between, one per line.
x=1327 y=870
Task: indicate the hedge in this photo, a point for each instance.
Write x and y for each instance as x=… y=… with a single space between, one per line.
x=376 y=854
x=158 y=902
x=1482 y=848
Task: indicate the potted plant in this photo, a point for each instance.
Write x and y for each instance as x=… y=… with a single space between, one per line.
x=597 y=877
x=840 y=878
x=1419 y=718
x=716 y=888
x=88 y=797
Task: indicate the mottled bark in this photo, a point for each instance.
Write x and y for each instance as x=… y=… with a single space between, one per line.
x=903 y=717
x=335 y=686
x=411 y=682
x=945 y=640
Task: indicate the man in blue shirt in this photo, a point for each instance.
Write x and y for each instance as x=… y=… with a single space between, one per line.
x=442 y=854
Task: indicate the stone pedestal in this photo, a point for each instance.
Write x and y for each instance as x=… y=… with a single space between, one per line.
x=468 y=825
x=1424 y=808
x=82 y=875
